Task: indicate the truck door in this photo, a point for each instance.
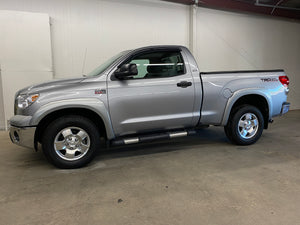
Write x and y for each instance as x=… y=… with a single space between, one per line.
x=161 y=96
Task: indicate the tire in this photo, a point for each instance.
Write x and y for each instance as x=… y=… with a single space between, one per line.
x=70 y=141
x=245 y=125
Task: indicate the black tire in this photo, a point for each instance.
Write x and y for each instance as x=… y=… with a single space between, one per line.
x=245 y=125
x=70 y=141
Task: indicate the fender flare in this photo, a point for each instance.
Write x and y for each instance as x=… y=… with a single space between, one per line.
x=241 y=93
x=91 y=104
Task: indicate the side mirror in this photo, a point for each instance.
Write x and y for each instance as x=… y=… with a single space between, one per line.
x=126 y=70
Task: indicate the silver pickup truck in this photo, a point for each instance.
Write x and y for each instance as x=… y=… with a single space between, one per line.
x=143 y=95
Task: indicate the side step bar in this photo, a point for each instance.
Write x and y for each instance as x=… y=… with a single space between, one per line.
x=152 y=137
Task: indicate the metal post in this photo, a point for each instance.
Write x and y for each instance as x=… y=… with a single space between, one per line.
x=193 y=27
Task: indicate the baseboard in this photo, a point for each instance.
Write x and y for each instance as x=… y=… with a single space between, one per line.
x=3 y=128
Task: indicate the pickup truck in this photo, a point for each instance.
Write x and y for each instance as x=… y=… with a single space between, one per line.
x=143 y=95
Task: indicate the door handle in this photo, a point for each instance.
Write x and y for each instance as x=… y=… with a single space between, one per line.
x=184 y=84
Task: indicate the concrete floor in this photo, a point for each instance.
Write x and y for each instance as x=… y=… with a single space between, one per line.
x=195 y=180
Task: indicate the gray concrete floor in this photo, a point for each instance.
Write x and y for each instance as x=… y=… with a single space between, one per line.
x=195 y=180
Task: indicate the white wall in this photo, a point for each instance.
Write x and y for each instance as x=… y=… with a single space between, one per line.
x=25 y=54
x=233 y=41
x=102 y=28
x=225 y=40
x=2 y=118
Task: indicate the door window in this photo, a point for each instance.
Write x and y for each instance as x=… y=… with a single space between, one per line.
x=158 y=64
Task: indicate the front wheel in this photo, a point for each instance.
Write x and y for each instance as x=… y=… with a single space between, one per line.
x=245 y=125
x=70 y=141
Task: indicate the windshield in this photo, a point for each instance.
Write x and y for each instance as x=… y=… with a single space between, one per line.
x=100 y=69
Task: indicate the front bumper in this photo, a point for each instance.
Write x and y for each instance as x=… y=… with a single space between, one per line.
x=20 y=131
x=23 y=136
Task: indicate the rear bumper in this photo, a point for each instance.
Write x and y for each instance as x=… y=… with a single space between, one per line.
x=285 y=108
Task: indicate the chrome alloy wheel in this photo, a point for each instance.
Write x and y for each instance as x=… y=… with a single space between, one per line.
x=72 y=143
x=248 y=125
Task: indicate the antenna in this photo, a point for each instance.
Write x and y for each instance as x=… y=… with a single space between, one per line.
x=83 y=64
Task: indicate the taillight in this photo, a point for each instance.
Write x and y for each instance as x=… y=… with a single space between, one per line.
x=284 y=80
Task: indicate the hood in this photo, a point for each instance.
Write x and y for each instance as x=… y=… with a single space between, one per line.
x=49 y=85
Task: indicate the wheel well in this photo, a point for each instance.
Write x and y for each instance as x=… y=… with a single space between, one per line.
x=258 y=101
x=94 y=117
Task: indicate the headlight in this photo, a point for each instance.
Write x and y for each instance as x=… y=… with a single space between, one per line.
x=26 y=100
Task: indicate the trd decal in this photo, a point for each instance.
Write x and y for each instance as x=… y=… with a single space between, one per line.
x=269 y=79
x=100 y=91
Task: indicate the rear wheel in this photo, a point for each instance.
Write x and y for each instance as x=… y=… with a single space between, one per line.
x=70 y=141
x=245 y=125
